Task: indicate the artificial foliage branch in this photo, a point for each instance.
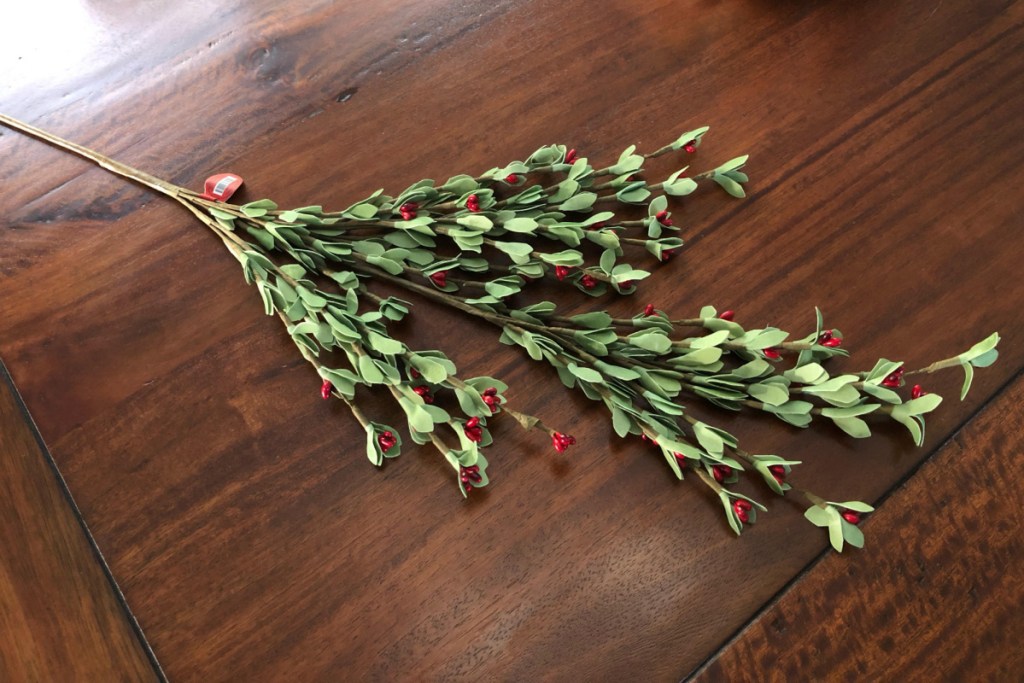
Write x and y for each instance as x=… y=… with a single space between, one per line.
x=475 y=243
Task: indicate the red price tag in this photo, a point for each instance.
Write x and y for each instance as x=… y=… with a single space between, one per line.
x=220 y=187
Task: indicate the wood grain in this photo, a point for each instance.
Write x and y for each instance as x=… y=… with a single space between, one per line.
x=237 y=510
x=60 y=615
x=938 y=595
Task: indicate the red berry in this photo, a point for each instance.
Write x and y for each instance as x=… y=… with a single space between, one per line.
x=772 y=353
x=408 y=210
x=473 y=203
x=690 y=147
x=778 y=472
x=850 y=516
x=511 y=179
x=917 y=392
x=325 y=389
x=470 y=474
x=570 y=156
x=588 y=281
x=561 y=272
x=828 y=338
x=424 y=392
x=663 y=217
x=491 y=398
x=474 y=432
x=667 y=255
x=742 y=509
x=680 y=459
x=561 y=441
x=653 y=442
x=721 y=472
x=727 y=315
x=386 y=440
x=894 y=378
x=440 y=278
x=649 y=310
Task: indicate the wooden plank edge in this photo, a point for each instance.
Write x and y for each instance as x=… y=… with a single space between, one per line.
x=90 y=540
x=827 y=551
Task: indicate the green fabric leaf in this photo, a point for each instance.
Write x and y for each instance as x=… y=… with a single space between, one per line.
x=521 y=224
x=650 y=340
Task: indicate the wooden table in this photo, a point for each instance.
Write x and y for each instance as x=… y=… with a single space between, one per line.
x=235 y=511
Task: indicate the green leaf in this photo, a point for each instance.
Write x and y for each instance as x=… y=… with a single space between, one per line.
x=968 y=378
x=607 y=262
x=852 y=534
x=856 y=506
x=432 y=370
x=265 y=239
x=386 y=264
x=854 y=426
x=311 y=300
x=881 y=393
x=986 y=359
x=709 y=340
x=730 y=186
x=883 y=368
x=732 y=164
x=373 y=451
x=835 y=534
x=344 y=381
x=471 y=402
x=361 y=211
x=617 y=371
x=460 y=185
x=585 y=374
x=580 y=202
x=626 y=273
x=264 y=204
x=634 y=193
x=519 y=252
x=595 y=321
x=819 y=516
x=628 y=162
x=764 y=339
x=476 y=222
x=690 y=136
x=681 y=187
x=621 y=422
x=384 y=345
x=812 y=373
x=650 y=340
x=772 y=393
x=980 y=349
x=657 y=205
x=921 y=405
x=568 y=257
x=521 y=224
x=370 y=373
x=709 y=439
x=673 y=463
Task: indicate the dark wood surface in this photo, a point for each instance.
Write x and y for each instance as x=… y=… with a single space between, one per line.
x=236 y=510
x=941 y=591
x=60 y=615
